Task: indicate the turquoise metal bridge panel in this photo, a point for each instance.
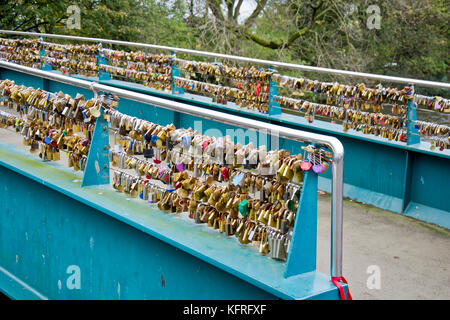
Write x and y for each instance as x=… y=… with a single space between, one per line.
x=96 y=171
x=114 y=261
x=304 y=240
x=15 y=288
x=147 y=112
x=54 y=86
x=123 y=248
x=430 y=181
x=21 y=78
x=429 y=214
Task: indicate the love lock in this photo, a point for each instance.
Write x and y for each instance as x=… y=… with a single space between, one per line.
x=305 y=166
x=318 y=168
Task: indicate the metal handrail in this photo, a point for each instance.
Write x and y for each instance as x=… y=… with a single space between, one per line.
x=293 y=134
x=417 y=82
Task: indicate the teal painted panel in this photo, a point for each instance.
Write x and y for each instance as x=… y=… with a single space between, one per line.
x=303 y=255
x=377 y=199
x=146 y=112
x=202 y=243
x=96 y=171
x=429 y=214
x=21 y=78
x=68 y=89
x=430 y=181
x=48 y=234
x=15 y=288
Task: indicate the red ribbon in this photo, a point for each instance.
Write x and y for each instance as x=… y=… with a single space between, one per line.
x=335 y=281
x=257 y=89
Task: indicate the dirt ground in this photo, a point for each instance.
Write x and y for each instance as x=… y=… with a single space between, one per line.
x=412 y=258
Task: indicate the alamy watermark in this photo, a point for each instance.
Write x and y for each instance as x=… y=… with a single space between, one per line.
x=74 y=20
x=374 y=280
x=74 y=279
x=221 y=149
x=373 y=20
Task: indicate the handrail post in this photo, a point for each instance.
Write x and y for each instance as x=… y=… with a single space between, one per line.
x=101 y=60
x=337 y=209
x=175 y=72
x=412 y=134
x=274 y=106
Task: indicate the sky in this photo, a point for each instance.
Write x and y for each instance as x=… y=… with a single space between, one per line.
x=247 y=8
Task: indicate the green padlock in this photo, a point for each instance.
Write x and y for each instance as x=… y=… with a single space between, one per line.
x=243 y=207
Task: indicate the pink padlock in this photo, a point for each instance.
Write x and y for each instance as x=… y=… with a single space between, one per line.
x=305 y=166
x=179 y=167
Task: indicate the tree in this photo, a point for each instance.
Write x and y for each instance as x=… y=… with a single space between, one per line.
x=33 y=15
x=412 y=39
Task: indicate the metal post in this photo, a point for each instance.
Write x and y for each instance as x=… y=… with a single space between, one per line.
x=412 y=133
x=175 y=72
x=302 y=257
x=274 y=107
x=101 y=60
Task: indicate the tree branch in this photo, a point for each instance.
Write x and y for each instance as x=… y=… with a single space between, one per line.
x=251 y=19
x=277 y=44
x=314 y=12
x=214 y=5
x=23 y=23
x=44 y=23
x=237 y=10
x=292 y=37
x=230 y=5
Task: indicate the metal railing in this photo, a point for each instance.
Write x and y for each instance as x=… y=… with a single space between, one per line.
x=417 y=82
x=334 y=144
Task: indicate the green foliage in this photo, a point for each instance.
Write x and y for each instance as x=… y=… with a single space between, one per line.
x=413 y=40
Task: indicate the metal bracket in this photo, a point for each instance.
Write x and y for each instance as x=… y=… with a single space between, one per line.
x=96 y=171
x=44 y=66
x=175 y=73
x=274 y=107
x=412 y=133
x=302 y=253
x=102 y=75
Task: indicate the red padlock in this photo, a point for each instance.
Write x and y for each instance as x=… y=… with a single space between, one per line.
x=225 y=173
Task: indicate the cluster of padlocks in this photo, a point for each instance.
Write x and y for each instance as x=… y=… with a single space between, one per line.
x=378 y=111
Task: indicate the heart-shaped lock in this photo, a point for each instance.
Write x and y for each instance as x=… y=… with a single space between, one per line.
x=318 y=168
x=180 y=167
x=155 y=160
x=225 y=173
x=305 y=166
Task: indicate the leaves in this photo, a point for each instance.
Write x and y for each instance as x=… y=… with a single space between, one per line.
x=413 y=40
